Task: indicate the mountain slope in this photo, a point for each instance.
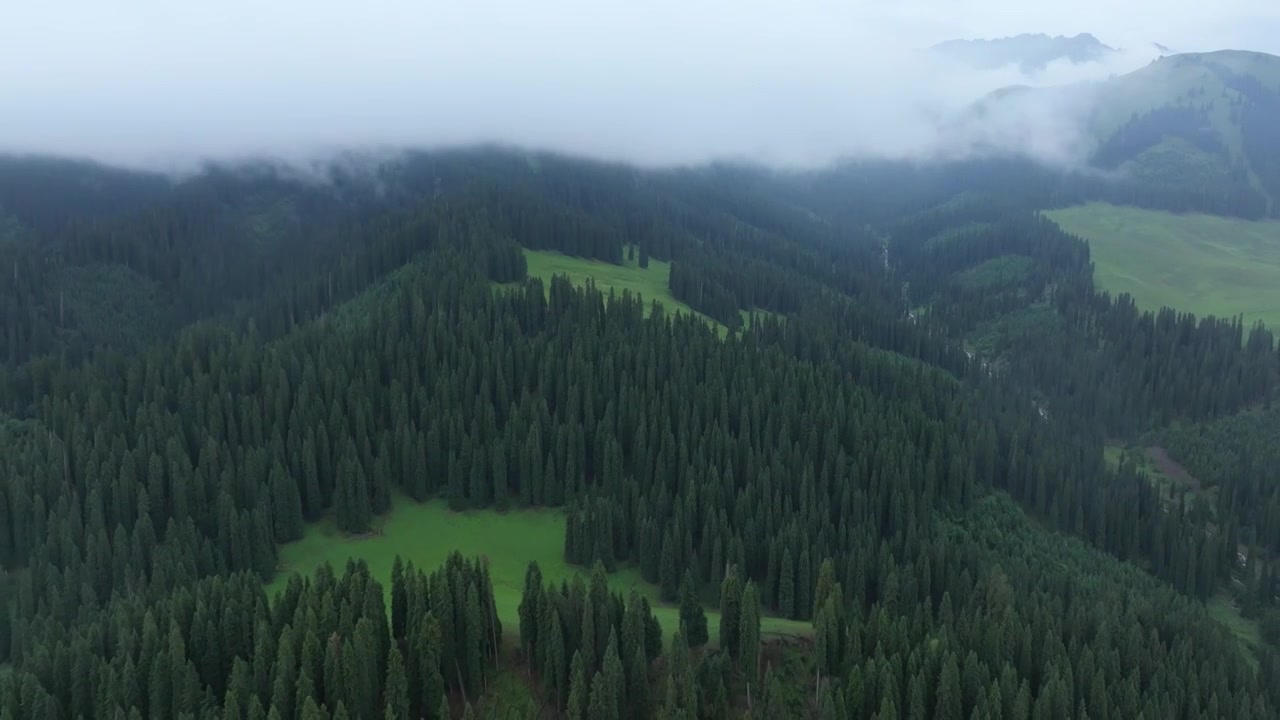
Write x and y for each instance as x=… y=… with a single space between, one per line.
x=1191 y=131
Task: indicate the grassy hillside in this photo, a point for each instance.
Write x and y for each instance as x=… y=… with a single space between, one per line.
x=425 y=533
x=1202 y=78
x=1198 y=263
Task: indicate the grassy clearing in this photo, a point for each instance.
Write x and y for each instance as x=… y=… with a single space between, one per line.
x=1159 y=468
x=1222 y=610
x=426 y=533
x=994 y=274
x=1198 y=263
x=651 y=283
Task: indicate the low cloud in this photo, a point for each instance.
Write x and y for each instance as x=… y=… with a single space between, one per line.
x=660 y=83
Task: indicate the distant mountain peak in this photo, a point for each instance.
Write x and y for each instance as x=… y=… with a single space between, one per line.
x=1029 y=51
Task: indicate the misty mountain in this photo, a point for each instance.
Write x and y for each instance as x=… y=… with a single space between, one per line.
x=1190 y=131
x=1030 y=52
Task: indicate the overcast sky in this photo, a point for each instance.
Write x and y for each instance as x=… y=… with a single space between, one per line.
x=651 y=81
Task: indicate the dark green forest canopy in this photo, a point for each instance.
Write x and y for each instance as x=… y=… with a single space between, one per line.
x=280 y=351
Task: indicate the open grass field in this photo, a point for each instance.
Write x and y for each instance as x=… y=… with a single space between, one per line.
x=426 y=533
x=1246 y=631
x=1195 y=263
x=650 y=283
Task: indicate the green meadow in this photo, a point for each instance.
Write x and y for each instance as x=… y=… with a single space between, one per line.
x=425 y=533
x=1246 y=631
x=651 y=283
x=1203 y=264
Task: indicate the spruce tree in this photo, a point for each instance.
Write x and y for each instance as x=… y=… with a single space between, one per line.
x=614 y=679
x=749 y=633
x=530 y=610
x=602 y=704
x=396 y=693
x=638 y=684
x=693 y=619
x=949 y=697
x=730 y=611
x=399 y=599
x=787 y=586
x=425 y=649
x=579 y=691
x=286 y=506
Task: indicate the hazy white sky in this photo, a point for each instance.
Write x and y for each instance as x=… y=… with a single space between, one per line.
x=658 y=81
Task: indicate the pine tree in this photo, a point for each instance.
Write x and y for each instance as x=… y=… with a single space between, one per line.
x=399 y=600
x=681 y=698
x=601 y=704
x=397 y=687
x=787 y=586
x=804 y=586
x=425 y=651
x=772 y=700
x=948 y=704
x=614 y=679
x=693 y=619
x=530 y=611
x=475 y=641
x=667 y=572
x=749 y=633
x=576 y=705
x=730 y=610
x=638 y=684
x=286 y=506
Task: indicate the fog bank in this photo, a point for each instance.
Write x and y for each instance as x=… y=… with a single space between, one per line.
x=657 y=83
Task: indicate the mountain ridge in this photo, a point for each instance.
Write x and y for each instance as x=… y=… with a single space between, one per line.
x=1191 y=124
x=1032 y=52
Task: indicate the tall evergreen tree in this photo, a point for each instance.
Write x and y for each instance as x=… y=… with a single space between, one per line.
x=730 y=611
x=693 y=619
x=749 y=633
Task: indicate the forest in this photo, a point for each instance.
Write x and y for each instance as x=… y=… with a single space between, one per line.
x=905 y=450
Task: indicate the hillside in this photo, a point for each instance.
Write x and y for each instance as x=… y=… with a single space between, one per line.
x=887 y=487
x=1030 y=52
x=1204 y=264
x=1189 y=131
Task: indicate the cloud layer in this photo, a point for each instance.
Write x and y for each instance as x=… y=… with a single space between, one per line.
x=660 y=82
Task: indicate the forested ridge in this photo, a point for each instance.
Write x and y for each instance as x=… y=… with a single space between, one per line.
x=861 y=457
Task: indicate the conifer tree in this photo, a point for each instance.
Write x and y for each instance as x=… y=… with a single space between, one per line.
x=614 y=679
x=397 y=687
x=749 y=633
x=530 y=610
x=579 y=690
x=286 y=506
x=730 y=611
x=693 y=619
x=399 y=600
x=948 y=705
x=787 y=586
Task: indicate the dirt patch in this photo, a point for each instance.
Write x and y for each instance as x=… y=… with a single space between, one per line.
x=1171 y=469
